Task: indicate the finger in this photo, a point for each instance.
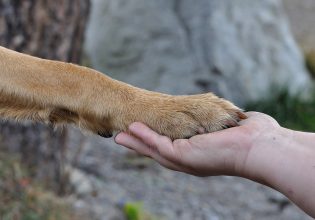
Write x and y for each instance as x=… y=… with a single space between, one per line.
x=253 y=114
x=162 y=144
x=134 y=143
x=250 y=117
x=146 y=134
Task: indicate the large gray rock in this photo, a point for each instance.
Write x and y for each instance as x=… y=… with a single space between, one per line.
x=239 y=49
x=302 y=19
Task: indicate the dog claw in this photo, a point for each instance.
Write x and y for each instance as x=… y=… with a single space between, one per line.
x=201 y=130
x=241 y=115
x=105 y=134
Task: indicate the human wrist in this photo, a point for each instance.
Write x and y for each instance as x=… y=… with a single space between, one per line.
x=291 y=170
x=283 y=159
x=266 y=152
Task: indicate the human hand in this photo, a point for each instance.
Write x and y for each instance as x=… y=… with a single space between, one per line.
x=258 y=149
x=220 y=153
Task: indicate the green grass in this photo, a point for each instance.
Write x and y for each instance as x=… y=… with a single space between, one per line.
x=290 y=112
x=23 y=199
x=135 y=211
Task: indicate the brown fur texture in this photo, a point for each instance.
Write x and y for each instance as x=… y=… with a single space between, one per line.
x=55 y=92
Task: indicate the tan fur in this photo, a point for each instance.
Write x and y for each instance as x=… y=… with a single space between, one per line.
x=55 y=92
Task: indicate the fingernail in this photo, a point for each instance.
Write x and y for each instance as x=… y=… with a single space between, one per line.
x=134 y=126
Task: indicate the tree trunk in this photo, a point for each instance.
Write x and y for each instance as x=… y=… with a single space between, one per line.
x=52 y=30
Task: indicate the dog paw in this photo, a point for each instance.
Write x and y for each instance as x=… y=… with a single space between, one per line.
x=182 y=116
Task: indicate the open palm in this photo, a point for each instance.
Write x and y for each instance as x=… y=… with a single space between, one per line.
x=220 y=153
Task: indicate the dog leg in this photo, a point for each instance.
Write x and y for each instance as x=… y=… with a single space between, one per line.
x=55 y=92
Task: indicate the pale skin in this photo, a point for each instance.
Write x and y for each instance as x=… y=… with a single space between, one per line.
x=259 y=149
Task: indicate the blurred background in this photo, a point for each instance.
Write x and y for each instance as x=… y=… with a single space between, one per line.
x=259 y=54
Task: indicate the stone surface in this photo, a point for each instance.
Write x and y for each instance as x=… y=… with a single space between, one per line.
x=302 y=19
x=80 y=182
x=239 y=49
